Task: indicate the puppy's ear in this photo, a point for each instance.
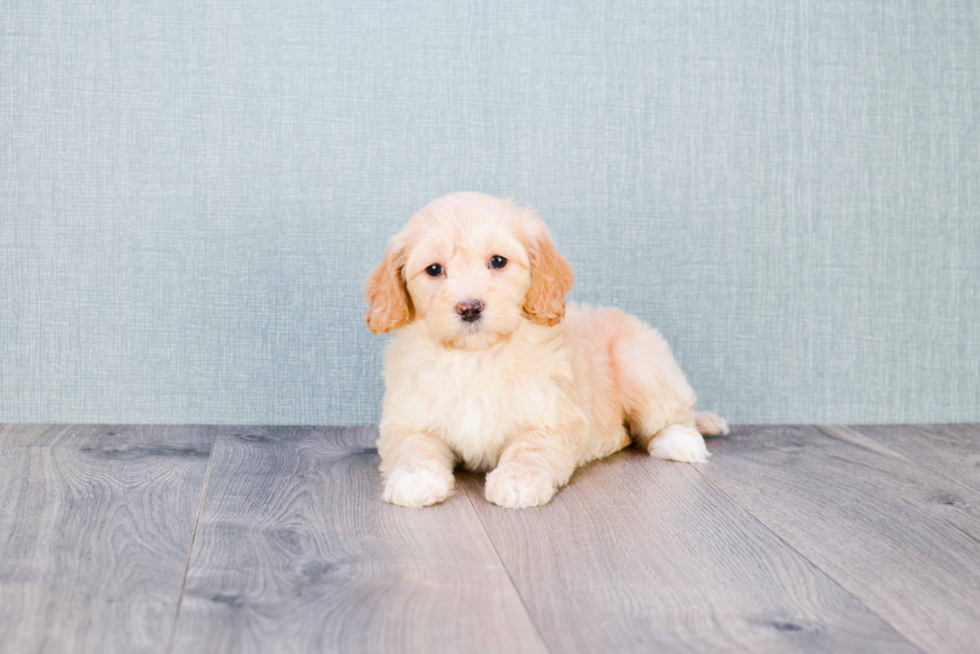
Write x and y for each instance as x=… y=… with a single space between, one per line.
x=551 y=277
x=386 y=292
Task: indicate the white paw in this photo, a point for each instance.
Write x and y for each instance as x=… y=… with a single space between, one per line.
x=679 y=443
x=417 y=487
x=517 y=487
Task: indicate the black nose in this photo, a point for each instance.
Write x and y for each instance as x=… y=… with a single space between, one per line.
x=469 y=310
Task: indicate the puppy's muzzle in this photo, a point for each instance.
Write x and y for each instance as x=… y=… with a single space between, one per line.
x=469 y=310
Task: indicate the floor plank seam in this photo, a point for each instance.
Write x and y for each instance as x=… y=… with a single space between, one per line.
x=911 y=460
x=882 y=447
x=810 y=561
x=190 y=552
x=503 y=565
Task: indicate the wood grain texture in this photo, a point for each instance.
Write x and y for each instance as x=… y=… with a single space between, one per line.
x=638 y=554
x=903 y=539
x=950 y=450
x=297 y=552
x=95 y=531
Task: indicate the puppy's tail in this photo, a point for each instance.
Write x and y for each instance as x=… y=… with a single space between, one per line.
x=709 y=424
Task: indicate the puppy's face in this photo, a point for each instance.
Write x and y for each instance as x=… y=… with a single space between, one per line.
x=472 y=267
x=467 y=280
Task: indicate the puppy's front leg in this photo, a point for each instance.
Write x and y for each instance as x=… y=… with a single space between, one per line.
x=418 y=467
x=531 y=469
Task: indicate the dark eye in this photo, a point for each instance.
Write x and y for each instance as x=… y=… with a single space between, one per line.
x=497 y=261
x=434 y=270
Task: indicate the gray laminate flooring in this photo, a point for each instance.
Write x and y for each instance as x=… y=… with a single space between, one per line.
x=275 y=539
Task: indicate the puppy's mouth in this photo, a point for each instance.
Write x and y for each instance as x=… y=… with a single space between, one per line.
x=473 y=333
x=470 y=327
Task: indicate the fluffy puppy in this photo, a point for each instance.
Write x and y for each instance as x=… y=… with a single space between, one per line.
x=487 y=368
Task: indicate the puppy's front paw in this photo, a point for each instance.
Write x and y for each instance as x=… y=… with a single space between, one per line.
x=679 y=443
x=517 y=487
x=417 y=487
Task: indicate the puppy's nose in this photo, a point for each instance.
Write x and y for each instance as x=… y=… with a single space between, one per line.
x=469 y=310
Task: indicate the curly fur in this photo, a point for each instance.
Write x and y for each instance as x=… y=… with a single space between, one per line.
x=529 y=391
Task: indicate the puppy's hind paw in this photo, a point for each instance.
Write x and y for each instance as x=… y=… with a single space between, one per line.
x=679 y=443
x=417 y=487
x=710 y=424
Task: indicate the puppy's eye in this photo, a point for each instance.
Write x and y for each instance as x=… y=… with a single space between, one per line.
x=434 y=270
x=497 y=261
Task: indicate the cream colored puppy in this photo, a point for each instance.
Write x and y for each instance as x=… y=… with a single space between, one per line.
x=488 y=370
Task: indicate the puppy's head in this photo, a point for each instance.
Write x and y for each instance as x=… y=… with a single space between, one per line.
x=472 y=267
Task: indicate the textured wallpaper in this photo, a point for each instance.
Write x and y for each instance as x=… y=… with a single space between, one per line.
x=191 y=193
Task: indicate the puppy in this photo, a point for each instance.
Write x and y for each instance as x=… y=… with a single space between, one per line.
x=487 y=368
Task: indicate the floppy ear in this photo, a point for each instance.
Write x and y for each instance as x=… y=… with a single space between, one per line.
x=551 y=278
x=386 y=293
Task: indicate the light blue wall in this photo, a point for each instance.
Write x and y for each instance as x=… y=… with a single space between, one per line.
x=192 y=192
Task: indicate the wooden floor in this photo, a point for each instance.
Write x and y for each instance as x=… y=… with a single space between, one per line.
x=275 y=539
